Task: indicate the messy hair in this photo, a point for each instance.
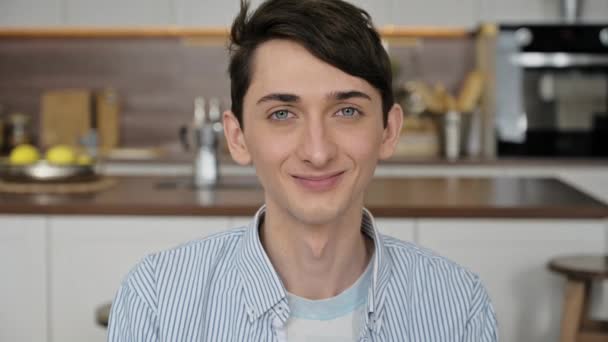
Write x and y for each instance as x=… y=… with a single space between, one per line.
x=334 y=31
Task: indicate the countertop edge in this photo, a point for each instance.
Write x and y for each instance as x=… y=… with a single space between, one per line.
x=378 y=212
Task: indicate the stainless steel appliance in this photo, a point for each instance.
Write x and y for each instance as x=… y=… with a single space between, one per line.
x=552 y=90
x=206 y=128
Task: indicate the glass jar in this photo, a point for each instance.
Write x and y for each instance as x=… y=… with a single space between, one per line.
x=17 y=131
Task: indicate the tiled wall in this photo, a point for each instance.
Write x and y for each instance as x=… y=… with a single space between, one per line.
x=220 y=12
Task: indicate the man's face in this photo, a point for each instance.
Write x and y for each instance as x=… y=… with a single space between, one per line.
x=313 y=133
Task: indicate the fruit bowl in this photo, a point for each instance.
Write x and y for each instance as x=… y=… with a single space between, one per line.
x=43 y=171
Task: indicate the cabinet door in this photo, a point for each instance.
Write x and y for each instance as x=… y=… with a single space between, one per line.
x=90 y=256
x=511 y=258
x=23 y=301
x=399 y=228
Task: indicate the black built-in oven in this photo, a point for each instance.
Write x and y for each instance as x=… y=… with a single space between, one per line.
x=552 y=90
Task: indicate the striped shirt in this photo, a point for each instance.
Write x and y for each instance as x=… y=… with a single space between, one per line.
x=224 y=288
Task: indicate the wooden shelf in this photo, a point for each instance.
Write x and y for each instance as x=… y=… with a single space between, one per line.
x=202 y=32
x=425 y=32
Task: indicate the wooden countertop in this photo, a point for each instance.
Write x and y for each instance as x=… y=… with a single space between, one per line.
x=387 y=197
x=183 y=158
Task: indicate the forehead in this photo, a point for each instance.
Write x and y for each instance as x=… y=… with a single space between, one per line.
x=286 y=66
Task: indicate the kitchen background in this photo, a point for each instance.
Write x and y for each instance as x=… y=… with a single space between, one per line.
x=65 y=255
x=467 y=13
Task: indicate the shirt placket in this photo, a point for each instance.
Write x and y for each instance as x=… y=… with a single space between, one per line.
x=278 y=317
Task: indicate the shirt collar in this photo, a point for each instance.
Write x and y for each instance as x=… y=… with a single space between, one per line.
x=263 y=288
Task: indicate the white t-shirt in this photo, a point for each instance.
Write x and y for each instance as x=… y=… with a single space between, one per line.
x=335 y=319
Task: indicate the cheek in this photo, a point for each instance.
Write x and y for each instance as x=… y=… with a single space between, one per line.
x=361 y=144
x=268 y=148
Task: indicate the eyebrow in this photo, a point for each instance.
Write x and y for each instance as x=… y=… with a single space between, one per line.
x=281 y=97
x=292 y=98
x=345 y=95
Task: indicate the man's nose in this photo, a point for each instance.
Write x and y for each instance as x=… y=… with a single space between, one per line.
x=316 y=144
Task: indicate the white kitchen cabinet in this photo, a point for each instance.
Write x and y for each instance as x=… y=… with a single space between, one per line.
x=401 y=229
x=239 y=221
x=511 y=258
x=90 y=256
x=23 y=274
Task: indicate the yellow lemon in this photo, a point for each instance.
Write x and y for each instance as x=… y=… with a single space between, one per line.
x=84 y=160
x=24 y=154
x=61 y=155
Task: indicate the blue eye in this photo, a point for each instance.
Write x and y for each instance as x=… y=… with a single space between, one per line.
x=280 y=115
x=348 y=112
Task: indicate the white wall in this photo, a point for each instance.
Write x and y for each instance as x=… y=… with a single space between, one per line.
x=220 y=12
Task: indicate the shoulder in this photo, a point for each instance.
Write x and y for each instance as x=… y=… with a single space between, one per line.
x=419 y=269
x=221 y=244
x=407 y=256
x=158 y=270
x=428 y=290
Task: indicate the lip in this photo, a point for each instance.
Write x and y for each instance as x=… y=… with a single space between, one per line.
x=319 y=182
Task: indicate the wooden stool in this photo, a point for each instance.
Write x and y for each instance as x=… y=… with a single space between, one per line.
x=580 y=272
x=102 y=314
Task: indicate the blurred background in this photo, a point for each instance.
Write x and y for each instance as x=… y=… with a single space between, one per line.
x=111 y=147
x=467 y=13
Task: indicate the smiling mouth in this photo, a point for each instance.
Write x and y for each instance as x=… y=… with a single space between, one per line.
x=319 y=183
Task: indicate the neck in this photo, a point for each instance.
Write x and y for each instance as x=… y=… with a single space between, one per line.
x=316 y=261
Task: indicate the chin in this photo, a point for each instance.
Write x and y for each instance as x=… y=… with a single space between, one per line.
x=316 y=214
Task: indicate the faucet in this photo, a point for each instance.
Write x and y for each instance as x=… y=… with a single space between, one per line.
x=207 y=126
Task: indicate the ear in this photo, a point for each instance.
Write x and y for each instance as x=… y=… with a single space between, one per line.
x=392 y=131
x=235 y=139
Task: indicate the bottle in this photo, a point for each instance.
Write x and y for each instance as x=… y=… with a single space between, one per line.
x=206 y=168
x=452 y=134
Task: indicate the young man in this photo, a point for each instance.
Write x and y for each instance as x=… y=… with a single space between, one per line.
x=312 y=110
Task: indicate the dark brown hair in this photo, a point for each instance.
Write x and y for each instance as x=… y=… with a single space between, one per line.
x=334 y=31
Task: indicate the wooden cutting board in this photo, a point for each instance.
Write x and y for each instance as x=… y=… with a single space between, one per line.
x=65 y=116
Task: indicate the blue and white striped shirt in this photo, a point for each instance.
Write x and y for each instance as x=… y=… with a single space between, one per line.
x=224 y=288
